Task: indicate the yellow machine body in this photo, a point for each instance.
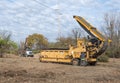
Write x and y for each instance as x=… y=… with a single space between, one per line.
x=92 y=48
x=63 y=55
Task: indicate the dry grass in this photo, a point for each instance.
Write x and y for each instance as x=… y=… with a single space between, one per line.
x=30 y=70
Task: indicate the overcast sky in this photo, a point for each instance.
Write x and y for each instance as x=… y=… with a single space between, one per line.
x=51 y=17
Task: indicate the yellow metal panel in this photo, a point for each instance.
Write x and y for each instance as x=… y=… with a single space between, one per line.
x=49 y=59
x=64 y=60
x=89 y=28
x=92 y=59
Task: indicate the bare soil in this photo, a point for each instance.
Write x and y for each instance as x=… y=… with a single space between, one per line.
x=30 y=70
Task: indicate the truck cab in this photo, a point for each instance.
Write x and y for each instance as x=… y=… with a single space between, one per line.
x=29 y=53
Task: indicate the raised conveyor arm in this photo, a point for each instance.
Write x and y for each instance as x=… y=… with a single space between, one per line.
x=89 y=28
x=94 y=33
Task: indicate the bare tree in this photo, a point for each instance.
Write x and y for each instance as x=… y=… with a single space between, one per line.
x=77 y=33
x=71 y=39
x=112 y=29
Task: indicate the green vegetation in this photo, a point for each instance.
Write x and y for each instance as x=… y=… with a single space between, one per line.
x=6 y=44
x=103 y=58
x=37 y=41
x=62 y=42
x=112 y=31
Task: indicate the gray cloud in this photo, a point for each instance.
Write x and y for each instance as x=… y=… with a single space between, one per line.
x=25 y=17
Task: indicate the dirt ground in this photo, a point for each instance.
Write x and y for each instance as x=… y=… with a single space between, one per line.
x=30 y=70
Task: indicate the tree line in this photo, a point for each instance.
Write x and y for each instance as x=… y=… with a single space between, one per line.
x=111 y=29
x=6 y=44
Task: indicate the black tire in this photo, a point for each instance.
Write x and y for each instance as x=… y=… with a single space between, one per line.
x=32 y=56
x=93 y=63
x=75 y=62
x=83 y=63
x=40 y=59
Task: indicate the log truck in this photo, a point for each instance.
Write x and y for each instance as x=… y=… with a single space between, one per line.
x=91 y=48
